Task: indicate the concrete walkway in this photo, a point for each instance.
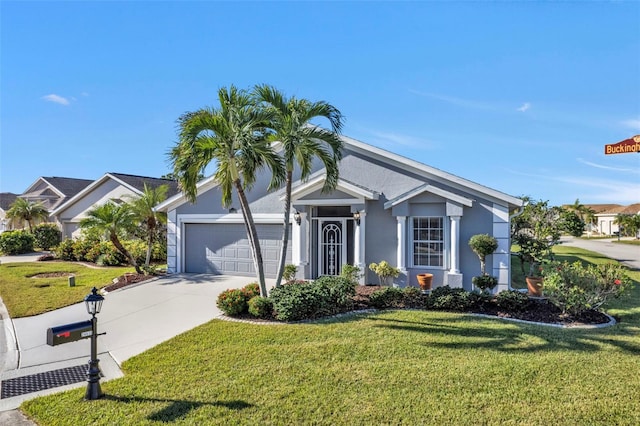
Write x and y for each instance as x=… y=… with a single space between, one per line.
x=135 y=318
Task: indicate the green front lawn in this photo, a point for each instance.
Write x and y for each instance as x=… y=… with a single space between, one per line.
x=392 y=367
x=26 y=295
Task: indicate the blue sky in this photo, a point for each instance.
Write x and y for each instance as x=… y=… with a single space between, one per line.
x=517 y=96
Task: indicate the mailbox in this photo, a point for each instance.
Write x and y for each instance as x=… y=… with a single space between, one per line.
x=68 y=333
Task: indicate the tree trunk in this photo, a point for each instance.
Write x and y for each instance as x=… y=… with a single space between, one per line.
x=285 y=232
x=125 y=252
x=151 y=227
x=252 y=233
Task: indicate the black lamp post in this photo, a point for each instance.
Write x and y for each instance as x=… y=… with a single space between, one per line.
x=94 y=304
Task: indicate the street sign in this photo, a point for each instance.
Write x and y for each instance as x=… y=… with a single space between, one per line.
x=623 y=147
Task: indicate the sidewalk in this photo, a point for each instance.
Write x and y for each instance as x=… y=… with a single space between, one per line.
x=135 y=318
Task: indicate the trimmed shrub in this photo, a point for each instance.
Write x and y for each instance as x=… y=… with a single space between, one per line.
x=82 y=249
x=485 y=282
x=64 y=250
x=388 y=297
x=47 y=235
x=413 y=297
x=261 y=307
x=298 y=301
x=232 y=302
x=341 y=291
x=16 y=242
x=451 y=299
x=289 y=272
x=512 y=300
x=251 y=290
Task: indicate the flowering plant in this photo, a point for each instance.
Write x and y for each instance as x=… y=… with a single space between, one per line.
x=575 y=288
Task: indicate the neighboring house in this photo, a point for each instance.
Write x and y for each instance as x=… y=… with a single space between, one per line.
x=606 y=215
x=53 y=191
x=386 y=207
x=116 y=187
x=6 y=199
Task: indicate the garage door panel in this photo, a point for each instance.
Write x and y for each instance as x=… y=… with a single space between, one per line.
x=225 y=249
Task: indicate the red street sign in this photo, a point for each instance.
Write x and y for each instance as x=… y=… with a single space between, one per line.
x=623 y=147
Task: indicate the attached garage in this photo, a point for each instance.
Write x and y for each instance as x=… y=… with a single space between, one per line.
x=223 y=248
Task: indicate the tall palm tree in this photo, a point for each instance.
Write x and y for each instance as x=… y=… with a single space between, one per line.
x=150 y=220
x=234 y=137
x=301 y=142
x=23 y=210
x=112 y=219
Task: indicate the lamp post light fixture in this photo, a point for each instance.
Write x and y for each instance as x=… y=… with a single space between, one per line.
x=93 y=301
x=296 y=217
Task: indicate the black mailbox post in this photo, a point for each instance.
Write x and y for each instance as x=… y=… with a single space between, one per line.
x=69 y=333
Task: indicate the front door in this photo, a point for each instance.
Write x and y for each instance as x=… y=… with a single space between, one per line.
x=332 y=250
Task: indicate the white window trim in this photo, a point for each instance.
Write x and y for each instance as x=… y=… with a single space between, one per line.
x=445 y=245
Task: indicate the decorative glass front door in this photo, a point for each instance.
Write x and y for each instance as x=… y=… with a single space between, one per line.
x=332 y=252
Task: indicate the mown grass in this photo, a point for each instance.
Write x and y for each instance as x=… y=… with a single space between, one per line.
x=629 y=242
x=25 y=295
x=392 y=367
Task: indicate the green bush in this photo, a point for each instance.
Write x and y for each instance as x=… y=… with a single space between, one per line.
x=64 y=250
x=232 y=302
x=512 y=300
x=299 y=300
x=251 y=290
x=261 y=307
x=388 y=297
x=289 y=272
x=575 y=288
x=341 y=291
x=47 y=235
x=413 y=297
x=451 y=299
x=351 y=272
x=485 y=282
x=83 y=249
x=16 y=242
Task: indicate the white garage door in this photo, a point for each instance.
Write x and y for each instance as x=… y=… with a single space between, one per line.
x=224 y=249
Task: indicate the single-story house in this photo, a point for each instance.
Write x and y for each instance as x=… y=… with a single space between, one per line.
x=116 y=187
x=385 y=207
x=606 y=215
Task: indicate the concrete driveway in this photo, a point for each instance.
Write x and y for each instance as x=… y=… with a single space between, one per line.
x=135 y=318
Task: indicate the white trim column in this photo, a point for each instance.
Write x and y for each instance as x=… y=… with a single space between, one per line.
x=401 y=261
x=358 y=242
x=455 y=243
x=454 y=277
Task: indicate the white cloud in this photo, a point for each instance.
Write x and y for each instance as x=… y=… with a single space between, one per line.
x=525 y=106
x=600 y=166
x=633 y=123
x=399 y=139
x=84 y=94
x=56 y=99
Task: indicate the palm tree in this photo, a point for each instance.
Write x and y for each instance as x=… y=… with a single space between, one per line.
x=301 y=142
x=112 y=219
x=150 y=219
x=23 y=210
x=234 y=136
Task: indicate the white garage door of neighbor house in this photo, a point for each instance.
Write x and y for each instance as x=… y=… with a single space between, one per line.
x=224 y=249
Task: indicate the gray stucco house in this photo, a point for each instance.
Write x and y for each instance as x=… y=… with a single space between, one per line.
x=386 y=207
x=114 y=187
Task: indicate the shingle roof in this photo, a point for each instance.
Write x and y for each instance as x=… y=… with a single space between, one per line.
x=6 y=199
x=138 y=182
x=68 y=186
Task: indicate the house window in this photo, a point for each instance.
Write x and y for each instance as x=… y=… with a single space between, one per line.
x=428 y=241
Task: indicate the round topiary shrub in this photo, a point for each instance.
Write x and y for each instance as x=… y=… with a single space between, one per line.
x=261 y=307
x=232 y=302
x=47 y=235
x=512 y=300
x=64 y=250
x=251 y=290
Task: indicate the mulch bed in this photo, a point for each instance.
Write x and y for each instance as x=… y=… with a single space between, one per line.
x=127 y=279
x=540 y=310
